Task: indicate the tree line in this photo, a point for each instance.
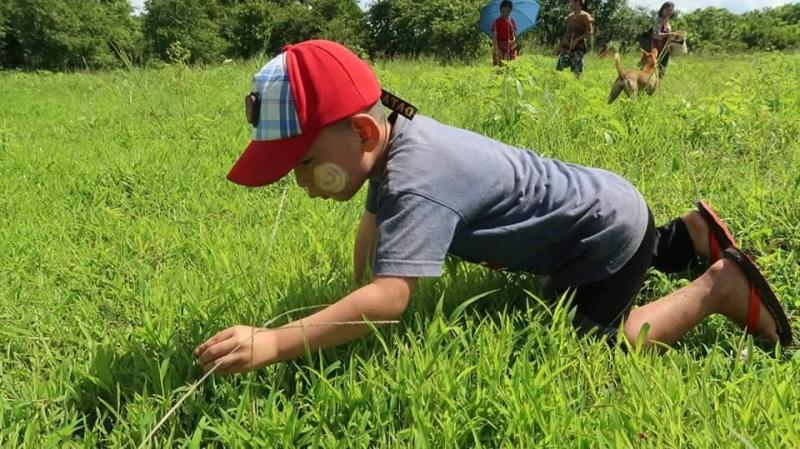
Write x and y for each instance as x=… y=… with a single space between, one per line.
x=70 y=34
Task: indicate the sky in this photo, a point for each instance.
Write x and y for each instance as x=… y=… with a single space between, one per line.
x=737 y=6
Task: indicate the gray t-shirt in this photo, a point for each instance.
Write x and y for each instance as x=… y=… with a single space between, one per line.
x=448 y=190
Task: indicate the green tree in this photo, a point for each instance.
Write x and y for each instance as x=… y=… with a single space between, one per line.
x=712 y=29
x=4 y=25
x=442 y=28
x=249 y=28
x=343 y=21
x=63 y=34
x=209 y=29
x=616 y=21
x=193 y=26
x=293 y=21
x=772 y=28
x=552 y=22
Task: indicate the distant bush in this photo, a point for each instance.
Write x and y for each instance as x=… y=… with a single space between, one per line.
x=63 y=34
x=719 y=30
x=211 y=30
x=249 y=28
x=193 y=25
x=440 y=28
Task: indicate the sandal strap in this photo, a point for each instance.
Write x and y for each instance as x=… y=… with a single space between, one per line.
x=713 y=247
x=754 y=309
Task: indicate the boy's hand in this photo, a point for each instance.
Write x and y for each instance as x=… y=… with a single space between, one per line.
x=237 y=349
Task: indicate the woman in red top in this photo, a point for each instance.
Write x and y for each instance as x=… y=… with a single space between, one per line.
x=505 y=31
x=662 y=32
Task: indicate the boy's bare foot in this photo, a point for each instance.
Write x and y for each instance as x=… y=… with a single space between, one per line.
x=733 y=290
x=710 y=236
x=698 y=232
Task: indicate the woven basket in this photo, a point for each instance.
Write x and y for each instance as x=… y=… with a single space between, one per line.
x=677 y=46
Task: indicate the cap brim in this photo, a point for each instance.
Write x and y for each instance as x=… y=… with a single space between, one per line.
x=267 y=161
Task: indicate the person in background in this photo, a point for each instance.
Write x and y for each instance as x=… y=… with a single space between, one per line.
x=662 y=32
x=573 y=44
x=505 y=32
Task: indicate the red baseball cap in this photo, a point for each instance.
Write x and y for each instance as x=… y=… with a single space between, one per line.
x=309 y=86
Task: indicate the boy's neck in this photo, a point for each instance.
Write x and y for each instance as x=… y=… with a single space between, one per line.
x=379 y=168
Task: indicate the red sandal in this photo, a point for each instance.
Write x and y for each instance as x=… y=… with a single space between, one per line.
x=760 y=293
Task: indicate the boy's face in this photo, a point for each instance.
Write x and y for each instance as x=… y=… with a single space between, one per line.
x=505 y=12
x=337 y=164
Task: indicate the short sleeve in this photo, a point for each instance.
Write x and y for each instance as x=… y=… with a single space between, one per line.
x=372 y=197
x=414 y=235
x=494 y=26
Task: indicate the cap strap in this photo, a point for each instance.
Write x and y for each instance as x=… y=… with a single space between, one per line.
x=398 y=105
x=252 y=108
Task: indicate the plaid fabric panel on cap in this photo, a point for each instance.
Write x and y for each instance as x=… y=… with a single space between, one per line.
x=278 y=118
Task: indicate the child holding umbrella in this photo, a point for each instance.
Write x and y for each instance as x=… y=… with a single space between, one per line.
x=504 y=22
x=504 y=30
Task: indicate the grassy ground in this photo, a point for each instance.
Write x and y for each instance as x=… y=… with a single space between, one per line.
x=122 y=246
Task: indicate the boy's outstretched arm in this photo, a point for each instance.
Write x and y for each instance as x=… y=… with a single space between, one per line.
x=385 y=298
x=365 y=241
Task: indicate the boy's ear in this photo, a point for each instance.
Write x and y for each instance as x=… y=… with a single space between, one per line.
x=367 y=129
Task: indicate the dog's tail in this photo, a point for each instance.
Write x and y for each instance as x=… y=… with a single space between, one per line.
x=618 y=65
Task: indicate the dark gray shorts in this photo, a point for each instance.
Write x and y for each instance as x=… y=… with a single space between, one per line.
x=601 y=306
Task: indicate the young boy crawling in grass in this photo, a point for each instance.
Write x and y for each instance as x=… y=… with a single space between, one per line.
x=434 y=190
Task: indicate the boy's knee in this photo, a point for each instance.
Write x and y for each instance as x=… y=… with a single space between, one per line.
x=636 y=332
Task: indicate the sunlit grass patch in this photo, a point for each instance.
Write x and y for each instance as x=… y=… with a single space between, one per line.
x=123 y=247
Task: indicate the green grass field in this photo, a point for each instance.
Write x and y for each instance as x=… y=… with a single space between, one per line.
x=122 y=246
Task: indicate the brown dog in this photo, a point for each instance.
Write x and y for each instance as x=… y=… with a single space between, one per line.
x=632 y=81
